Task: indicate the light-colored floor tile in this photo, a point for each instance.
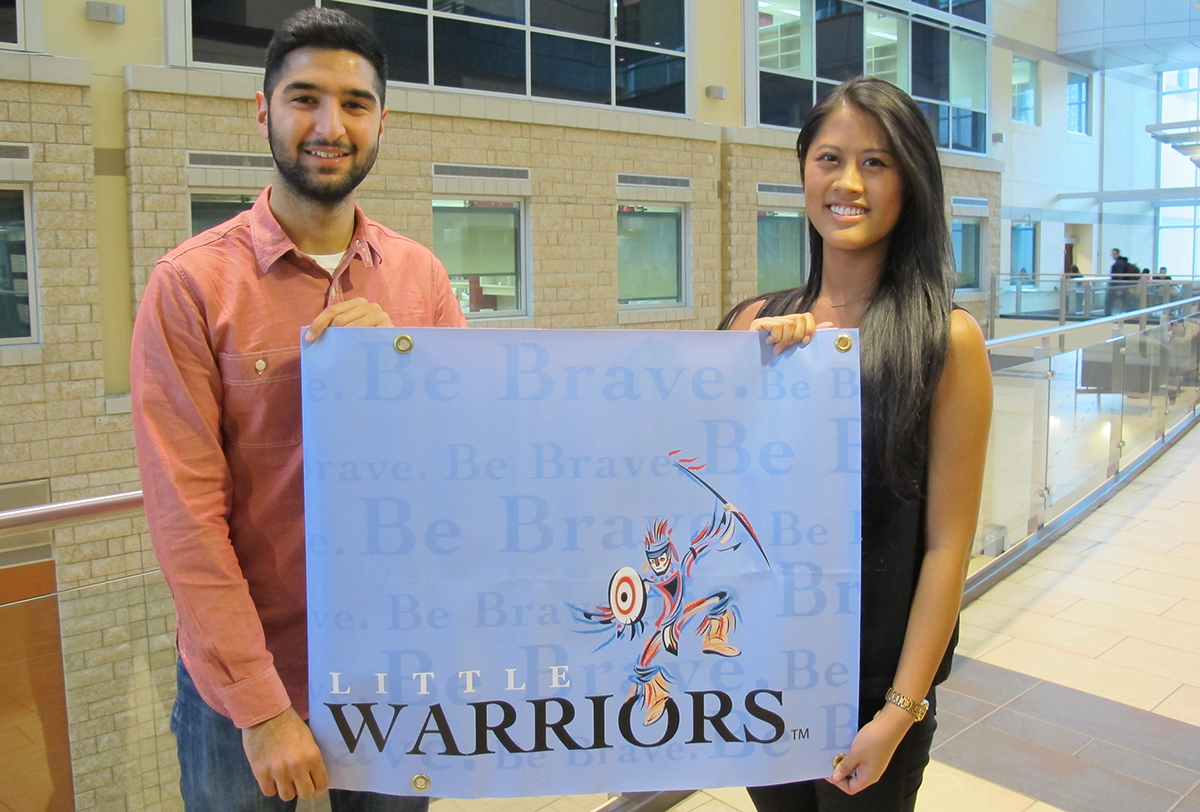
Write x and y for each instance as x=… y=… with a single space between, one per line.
x=974 y=642
x=946 y=789
x=705 y=802
x=1186 y=610
x=1084 y=564
x=1109 y=521
x=713 y=805
x=1187 y=550
x=576 y=803
x=1163 y=584
x=1092 y=533
x=1109 y=680
x=1137 y=500
x=735 y=797
x=1026 y=572
x=1152 y=658
x=1031 y=599
x=1150 y=541
x=1168 y=563
x=1138 y=625
x=1191 y=509
x=1118 y=594
x=1183 y=705
x=1073 y=544
x=697 y=799
x=565 y=803
x=1177 y=519
x=1042 y=806
x=1067 y=635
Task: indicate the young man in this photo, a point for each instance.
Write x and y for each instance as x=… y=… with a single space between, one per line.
x=216 y=394
x=1119 y=280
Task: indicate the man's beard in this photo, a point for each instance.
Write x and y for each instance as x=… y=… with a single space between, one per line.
x=305 y=184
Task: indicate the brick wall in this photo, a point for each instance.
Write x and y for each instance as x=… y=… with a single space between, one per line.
x=58 y=425
x=979 y=183
x=744 y=166
x=572 y=203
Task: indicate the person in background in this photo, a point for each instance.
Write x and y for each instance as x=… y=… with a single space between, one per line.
x=1120 y=277
x=881 y=262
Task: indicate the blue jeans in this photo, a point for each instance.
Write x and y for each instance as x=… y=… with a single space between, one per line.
x=214 y=775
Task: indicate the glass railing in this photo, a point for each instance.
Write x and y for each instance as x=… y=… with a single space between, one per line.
x=1078 y=410
x=87 y=639
x=1066 y=299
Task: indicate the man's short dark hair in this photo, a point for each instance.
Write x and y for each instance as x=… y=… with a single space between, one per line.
x=326 y=28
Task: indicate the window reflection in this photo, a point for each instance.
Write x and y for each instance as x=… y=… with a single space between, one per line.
x=839 y=41
x=587 y=17
x=573 y=69
x=1024 y=90
x=781 y=251
x=785 y=36
x=477 y=56
x=479 y=242
x=886 y=48
x=930 y=62
x=649 y=255
x=965 y=236
x=650 y=80
x=508 y=11
x=657 y=23
x=16 y=317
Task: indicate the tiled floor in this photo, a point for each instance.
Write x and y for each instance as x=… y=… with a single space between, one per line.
x=1078 y=682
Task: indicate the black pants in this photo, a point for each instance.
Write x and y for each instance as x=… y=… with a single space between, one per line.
x=895 y=791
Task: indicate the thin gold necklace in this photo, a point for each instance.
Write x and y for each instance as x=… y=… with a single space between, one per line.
x=846 y=304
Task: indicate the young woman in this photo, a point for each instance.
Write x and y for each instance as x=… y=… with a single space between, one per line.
x=881 y=262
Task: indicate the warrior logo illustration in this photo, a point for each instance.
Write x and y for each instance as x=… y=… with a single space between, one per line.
x=629 y=593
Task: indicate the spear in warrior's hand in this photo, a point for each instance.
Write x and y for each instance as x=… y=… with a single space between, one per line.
x=737 y=514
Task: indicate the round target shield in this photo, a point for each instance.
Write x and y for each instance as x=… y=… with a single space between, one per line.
x=627 y=596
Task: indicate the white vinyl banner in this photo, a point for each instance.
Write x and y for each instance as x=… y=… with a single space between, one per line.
x=563 y=562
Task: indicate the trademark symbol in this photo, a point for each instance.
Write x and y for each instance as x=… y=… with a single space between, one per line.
x=799 y=733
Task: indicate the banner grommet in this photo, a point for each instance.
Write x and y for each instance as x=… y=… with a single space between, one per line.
x=420 y=781
x=403 y=345
x=843 y=343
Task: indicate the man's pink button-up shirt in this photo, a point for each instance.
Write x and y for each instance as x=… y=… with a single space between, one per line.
x=216 y=407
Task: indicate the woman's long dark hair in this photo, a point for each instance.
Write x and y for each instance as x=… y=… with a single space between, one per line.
x=905 y=329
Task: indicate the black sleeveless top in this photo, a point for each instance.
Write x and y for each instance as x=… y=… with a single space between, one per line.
x=893 y=545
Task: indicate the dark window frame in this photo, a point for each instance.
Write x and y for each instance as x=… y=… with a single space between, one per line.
x=668 y=37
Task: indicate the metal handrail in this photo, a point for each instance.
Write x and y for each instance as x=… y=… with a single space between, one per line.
x=1059 y=329
x=65 y=514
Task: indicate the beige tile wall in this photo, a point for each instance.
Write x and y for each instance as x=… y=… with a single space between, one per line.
x=967 y=182
x=572 y=206
x=744 y=166
x=55 y=425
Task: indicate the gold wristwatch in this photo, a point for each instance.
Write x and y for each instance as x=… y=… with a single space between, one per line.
x=915 y=708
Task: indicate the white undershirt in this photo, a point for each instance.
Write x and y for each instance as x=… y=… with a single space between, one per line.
x=329 y=262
